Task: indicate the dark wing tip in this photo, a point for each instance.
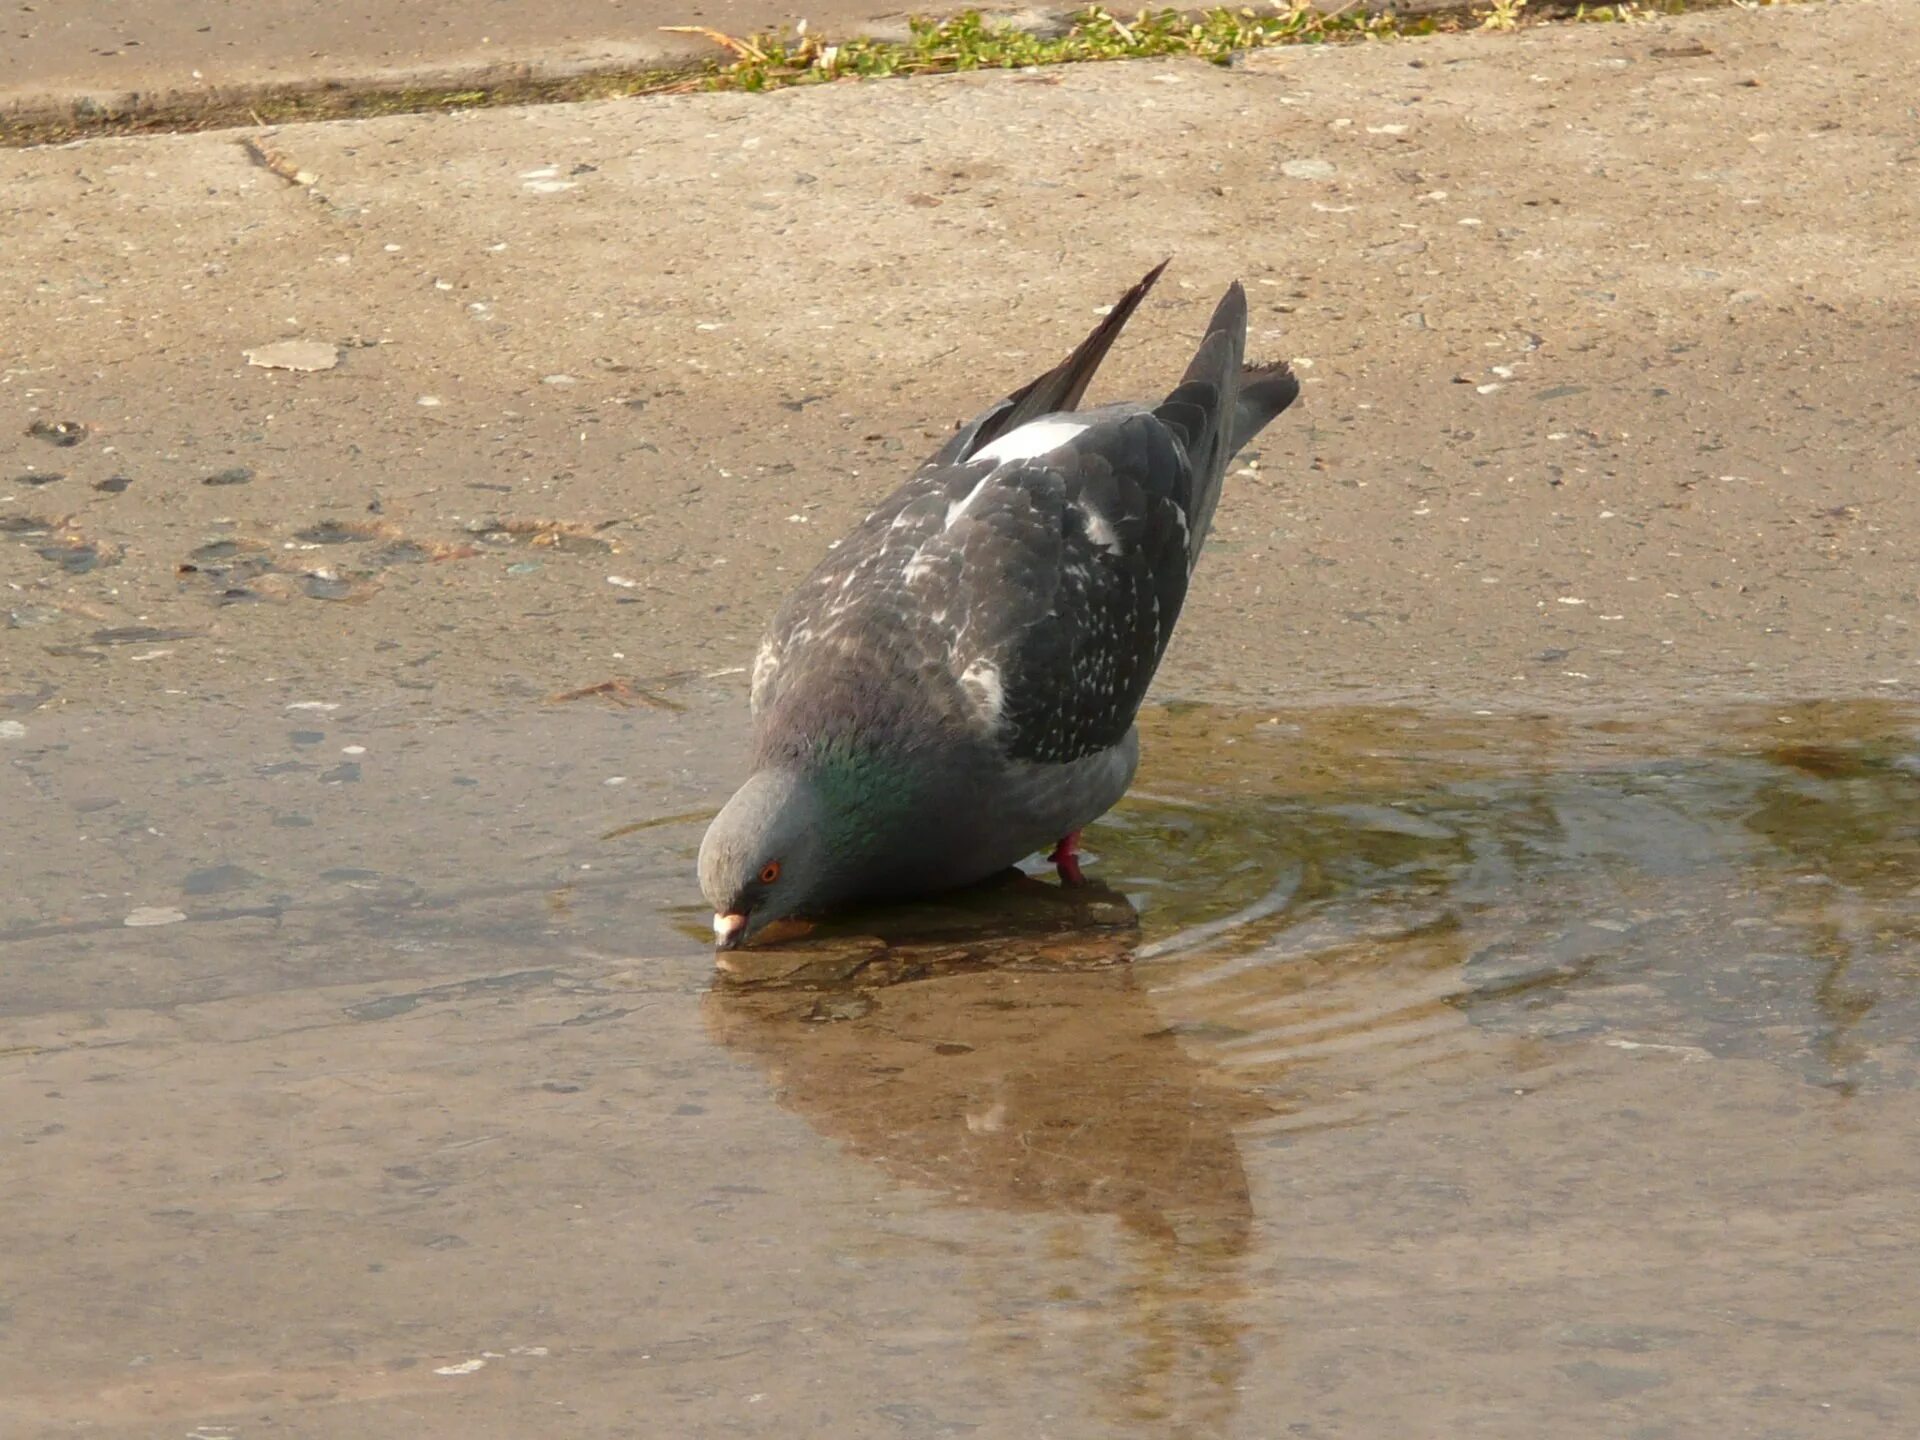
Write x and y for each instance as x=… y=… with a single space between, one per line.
x=1061 y=388
x=1138 y=292
x=1076 y=371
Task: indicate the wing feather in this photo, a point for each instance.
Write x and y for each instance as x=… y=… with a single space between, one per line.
x=1038 y=593
x=1020 y=589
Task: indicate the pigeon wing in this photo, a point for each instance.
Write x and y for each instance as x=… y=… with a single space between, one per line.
x=867 y=562
x=1053 y=583
x=1025 y=582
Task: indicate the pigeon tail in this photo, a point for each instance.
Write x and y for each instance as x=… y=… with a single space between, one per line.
x=1059 y=390
x=1265 y=390
x=1203 y=409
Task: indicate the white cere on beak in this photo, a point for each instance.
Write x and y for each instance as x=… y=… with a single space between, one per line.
x=728 y=927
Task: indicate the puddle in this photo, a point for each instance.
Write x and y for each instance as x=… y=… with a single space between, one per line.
x=567 y=537
x=1756 y=895
x=77 y=557
x=336 y=532
x=1497 y=1076
x=241 y=571
x=63 y=434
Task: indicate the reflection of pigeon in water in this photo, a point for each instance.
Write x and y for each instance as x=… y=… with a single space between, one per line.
x=954 y=687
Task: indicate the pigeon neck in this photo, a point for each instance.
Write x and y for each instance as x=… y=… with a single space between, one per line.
x=858 y=778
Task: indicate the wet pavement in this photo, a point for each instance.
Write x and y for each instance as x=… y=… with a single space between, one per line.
x=1508 y=1077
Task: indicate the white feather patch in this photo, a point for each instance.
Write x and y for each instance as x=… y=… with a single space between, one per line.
x=1029 y=441
x=981 y=680
x=1100 y=530
x=959 y=507
x=765 y=665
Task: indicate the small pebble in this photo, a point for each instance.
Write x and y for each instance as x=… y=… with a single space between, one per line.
x=294 y=355
x=153 y=915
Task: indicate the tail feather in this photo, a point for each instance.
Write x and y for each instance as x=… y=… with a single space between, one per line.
x=1061 y=388
x=1265 y=391
x=1220 y=404
x=1204 y=408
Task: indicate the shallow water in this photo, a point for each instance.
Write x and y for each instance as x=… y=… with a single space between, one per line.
x=1757 y=897
x=1479 y=1075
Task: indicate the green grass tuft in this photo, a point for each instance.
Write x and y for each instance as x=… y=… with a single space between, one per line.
x=967 y=41
x=970 y=41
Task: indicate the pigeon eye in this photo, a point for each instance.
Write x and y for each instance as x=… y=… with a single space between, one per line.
x=769 y=872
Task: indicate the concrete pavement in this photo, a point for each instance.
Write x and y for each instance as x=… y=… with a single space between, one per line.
x=1609 y=341
x=122 y=56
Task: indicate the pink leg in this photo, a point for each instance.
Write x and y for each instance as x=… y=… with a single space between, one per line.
x=1066 y=859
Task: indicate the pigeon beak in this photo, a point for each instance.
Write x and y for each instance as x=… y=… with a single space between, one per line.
x=729 y=931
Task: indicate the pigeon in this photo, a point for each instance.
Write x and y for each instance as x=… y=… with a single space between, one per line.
x=954 y=687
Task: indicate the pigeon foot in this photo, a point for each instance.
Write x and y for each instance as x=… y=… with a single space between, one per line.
x=1066 y=859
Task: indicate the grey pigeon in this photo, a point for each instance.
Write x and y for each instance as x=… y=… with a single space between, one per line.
x=954 y=687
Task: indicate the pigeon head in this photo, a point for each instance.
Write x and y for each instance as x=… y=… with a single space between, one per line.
x=766 y=855
x=808 y=831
